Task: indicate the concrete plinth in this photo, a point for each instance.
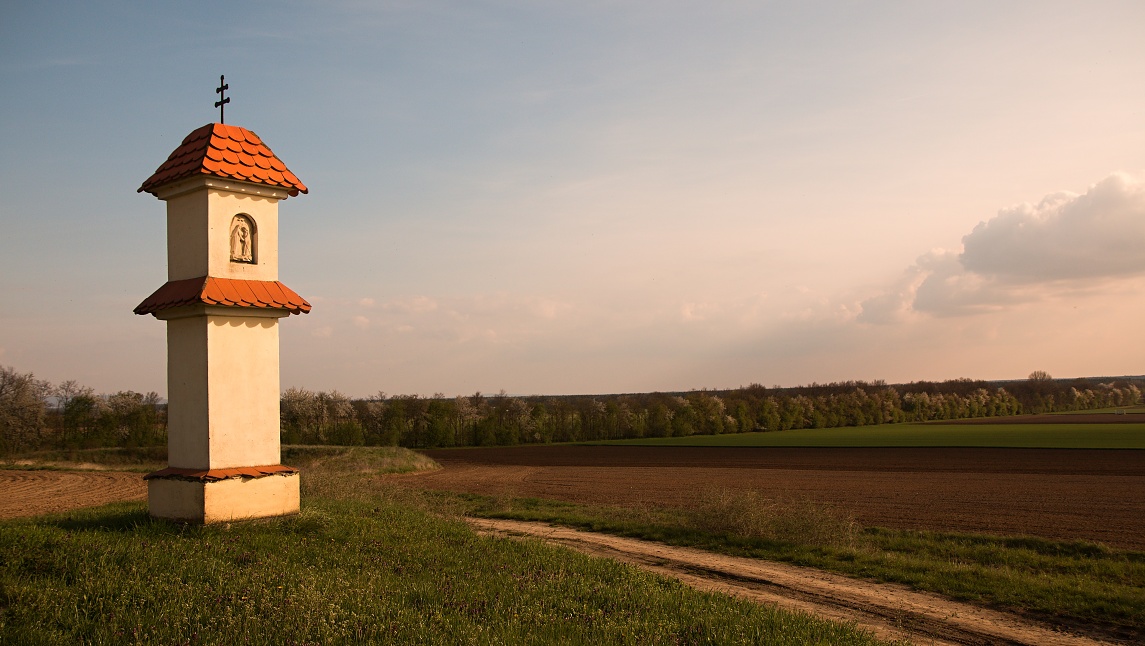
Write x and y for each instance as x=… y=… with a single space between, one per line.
x=222 y=501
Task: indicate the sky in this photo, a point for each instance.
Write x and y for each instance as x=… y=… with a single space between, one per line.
x=597 y=196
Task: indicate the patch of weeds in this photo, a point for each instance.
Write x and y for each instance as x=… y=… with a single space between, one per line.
x=750 y=514
x=345 y=472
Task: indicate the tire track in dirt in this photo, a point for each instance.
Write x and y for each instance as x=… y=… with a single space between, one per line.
x=891 y=612
x=31 y=493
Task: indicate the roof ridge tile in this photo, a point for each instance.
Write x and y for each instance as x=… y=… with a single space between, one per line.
x=226 y=151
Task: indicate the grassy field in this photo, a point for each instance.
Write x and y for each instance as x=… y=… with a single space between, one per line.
x=1048 y=436
x=1061 y=582
x=372 y=459
x=141 y=459
x=367 y=561
x=363 y=563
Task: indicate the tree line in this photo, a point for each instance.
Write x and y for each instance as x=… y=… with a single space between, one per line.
x=35 y=414
x=483 y=420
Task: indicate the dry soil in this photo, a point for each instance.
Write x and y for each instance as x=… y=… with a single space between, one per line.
x=1094 y=495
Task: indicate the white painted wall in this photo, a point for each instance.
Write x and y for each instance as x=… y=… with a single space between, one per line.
x=225 y=500
x=222 y=376
x=198 y=234
x=187 y=402
x=243 y=391
x=187 y=235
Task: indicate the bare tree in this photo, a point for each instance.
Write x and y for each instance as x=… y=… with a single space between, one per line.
x=68 y=391
x=23 y=407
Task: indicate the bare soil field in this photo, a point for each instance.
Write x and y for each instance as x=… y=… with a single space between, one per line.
x=1070 y=418
x=31 y=493
x=1095 y=495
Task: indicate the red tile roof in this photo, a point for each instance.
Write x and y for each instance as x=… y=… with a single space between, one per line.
x=214 y=475
x=230 y=292
x=225 y=151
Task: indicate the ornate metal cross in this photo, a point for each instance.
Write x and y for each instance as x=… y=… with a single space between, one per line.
x=222 y=101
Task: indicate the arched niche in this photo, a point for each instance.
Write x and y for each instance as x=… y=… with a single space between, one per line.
x=244 y=239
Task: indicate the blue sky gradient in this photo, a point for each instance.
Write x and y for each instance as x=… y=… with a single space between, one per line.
x=596 y=197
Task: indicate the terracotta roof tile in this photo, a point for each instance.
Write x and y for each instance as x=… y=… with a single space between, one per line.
x=222 y=292
x=227 y=292
x=288 y=295
x=223 y=151
x=270 y=292
x=214 y=475
x=262 y=294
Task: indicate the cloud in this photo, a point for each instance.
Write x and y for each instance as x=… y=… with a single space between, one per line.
x=551 y=309
x=1064 y=244
x=497 y=317
x=49 y=63
x=696 y=311
x=1098 y=234
x=895 y=304
x=948 y=289
x=412 y=305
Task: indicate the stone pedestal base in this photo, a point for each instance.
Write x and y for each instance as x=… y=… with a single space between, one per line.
x=220 y=501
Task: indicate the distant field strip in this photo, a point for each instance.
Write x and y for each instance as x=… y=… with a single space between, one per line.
x=1044 y=436
x=1063 y=494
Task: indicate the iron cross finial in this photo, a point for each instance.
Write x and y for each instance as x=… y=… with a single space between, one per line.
x=223 y=99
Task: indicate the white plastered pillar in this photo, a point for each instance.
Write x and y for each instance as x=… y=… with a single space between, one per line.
x=223 y=387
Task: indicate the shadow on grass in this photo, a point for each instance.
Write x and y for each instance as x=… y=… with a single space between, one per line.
x=119 y=517
x=132 y=518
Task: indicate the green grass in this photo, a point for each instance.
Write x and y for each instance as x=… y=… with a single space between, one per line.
x=1050 y=436
x=141 y=459
x=363 y=460
x=1057 y=581
x=364 y=564
x=342 y=459
x=1117 y=410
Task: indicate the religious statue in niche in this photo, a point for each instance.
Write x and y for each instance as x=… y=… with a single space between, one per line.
x=242 y=239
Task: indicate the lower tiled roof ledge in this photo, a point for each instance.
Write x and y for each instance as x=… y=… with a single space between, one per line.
x=216 y=475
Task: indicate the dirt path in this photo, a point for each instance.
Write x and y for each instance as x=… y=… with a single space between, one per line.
x=891 y=612
x=31 y=493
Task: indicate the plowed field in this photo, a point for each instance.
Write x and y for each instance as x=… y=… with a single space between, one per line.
x=1096 y=495
x=1058 y=418
x=30 y=493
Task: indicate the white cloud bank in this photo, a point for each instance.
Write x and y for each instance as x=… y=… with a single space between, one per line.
x=1065 y=243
